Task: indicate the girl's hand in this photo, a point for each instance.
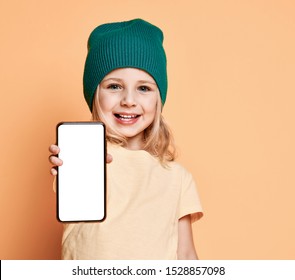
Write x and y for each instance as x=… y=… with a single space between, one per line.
x=55 y=161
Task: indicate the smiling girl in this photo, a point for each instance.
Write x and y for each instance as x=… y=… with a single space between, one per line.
x=151 y=200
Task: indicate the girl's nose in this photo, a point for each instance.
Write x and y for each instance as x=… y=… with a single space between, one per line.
x=128 y=98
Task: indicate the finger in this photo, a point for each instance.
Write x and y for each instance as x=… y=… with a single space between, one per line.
x=109 y=158
x=54 y=149
x=55 y=160
x=53 y=171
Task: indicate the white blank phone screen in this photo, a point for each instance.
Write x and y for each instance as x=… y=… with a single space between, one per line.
x=81 y=178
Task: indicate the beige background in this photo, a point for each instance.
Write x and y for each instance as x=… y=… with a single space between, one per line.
x=230 y=104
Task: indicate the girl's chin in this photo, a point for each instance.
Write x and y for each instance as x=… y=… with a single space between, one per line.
x=130 y=135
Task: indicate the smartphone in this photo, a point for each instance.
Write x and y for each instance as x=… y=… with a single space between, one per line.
x=81 y=180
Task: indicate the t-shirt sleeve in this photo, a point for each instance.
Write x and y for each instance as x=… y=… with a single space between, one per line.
x=189 y=200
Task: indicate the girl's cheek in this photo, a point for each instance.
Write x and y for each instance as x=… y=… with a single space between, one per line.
x=106 y=100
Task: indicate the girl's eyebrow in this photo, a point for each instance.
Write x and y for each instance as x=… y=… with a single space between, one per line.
x=146 y=81
x=115 y=79
x=121 y=80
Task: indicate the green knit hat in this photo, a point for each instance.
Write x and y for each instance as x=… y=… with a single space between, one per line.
x=135 y=44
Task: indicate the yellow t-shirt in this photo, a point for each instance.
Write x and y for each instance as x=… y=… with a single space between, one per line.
x=144 y=202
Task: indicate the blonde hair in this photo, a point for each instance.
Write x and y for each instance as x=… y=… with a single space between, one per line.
x=158 y=138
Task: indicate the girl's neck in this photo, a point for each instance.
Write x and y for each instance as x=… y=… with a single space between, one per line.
x=134 y=143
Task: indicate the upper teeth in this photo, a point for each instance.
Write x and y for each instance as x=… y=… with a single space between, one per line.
x=127 y=116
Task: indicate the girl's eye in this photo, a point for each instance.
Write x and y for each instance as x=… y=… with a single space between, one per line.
x=144 y=88
x=113 y=86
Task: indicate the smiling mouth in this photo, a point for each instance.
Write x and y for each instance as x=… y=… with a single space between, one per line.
x=126 y=117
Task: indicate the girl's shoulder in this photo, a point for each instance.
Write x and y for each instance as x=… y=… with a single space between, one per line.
x=180 y=169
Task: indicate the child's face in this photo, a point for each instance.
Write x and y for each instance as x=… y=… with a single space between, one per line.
x=128 y=100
